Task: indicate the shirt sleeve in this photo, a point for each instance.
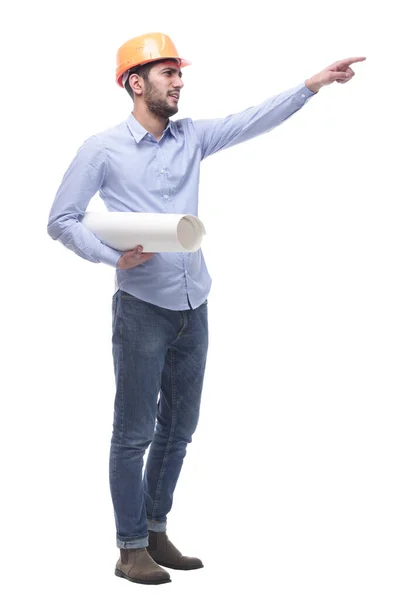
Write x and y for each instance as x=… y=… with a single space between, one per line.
x=81 y=181
x=217 y=134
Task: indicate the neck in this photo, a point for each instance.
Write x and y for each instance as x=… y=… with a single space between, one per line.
x=152 y=123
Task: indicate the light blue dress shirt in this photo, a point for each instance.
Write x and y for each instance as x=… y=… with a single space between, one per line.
x=132 y=171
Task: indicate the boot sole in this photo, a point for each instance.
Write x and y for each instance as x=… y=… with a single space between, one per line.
x=163 y=564
x=119 y=573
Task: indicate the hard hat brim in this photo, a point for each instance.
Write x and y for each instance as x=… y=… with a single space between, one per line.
x=182 y=63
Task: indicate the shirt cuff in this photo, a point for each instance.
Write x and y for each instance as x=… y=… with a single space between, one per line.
x=306 y=93
x=109 y=256
x=302 y=94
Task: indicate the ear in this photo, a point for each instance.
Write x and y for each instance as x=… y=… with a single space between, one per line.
x=136 y=84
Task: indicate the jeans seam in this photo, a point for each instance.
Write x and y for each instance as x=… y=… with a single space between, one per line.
x=121 y=380
x=119 y=425
x=168 y=444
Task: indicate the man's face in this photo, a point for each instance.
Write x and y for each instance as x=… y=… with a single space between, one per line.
x=162 y=90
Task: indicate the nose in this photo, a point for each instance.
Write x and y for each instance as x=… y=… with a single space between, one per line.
x=178 y=83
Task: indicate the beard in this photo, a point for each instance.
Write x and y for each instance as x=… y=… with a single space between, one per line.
x=157 y=104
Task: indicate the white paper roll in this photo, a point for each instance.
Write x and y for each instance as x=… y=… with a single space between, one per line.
x=156 y=232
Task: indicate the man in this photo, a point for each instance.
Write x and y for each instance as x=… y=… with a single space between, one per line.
x=149 y=163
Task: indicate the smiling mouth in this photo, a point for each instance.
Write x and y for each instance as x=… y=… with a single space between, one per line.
x=174 y=96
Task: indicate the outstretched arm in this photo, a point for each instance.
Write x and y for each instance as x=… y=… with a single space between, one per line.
x=217 y=134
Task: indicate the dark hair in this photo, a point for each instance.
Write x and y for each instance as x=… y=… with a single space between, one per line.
x=143 y=71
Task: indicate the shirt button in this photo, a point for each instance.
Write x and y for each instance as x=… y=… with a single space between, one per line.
x=303 y=95
x=162 y=171
x=166 y=197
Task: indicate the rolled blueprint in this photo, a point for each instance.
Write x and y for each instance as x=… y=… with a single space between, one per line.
x=156 y=232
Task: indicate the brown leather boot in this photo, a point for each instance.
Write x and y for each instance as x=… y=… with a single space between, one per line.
x=164 y=553
x=137 y=566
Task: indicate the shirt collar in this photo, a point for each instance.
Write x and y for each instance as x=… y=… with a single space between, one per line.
x=139 y=132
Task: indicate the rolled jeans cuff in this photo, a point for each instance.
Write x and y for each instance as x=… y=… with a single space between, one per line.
x=142 y=542
x=156 y=525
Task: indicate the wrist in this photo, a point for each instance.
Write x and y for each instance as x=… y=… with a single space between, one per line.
x=312 y=85
x=120 y=263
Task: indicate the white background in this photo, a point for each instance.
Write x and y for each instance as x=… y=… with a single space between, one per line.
x=290 y=488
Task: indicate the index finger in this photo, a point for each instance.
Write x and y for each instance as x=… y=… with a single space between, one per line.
x=349 y=61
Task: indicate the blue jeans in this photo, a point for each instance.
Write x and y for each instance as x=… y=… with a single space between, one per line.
x=159 y=363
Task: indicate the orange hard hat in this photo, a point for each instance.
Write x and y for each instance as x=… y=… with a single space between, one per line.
x=144 y=49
